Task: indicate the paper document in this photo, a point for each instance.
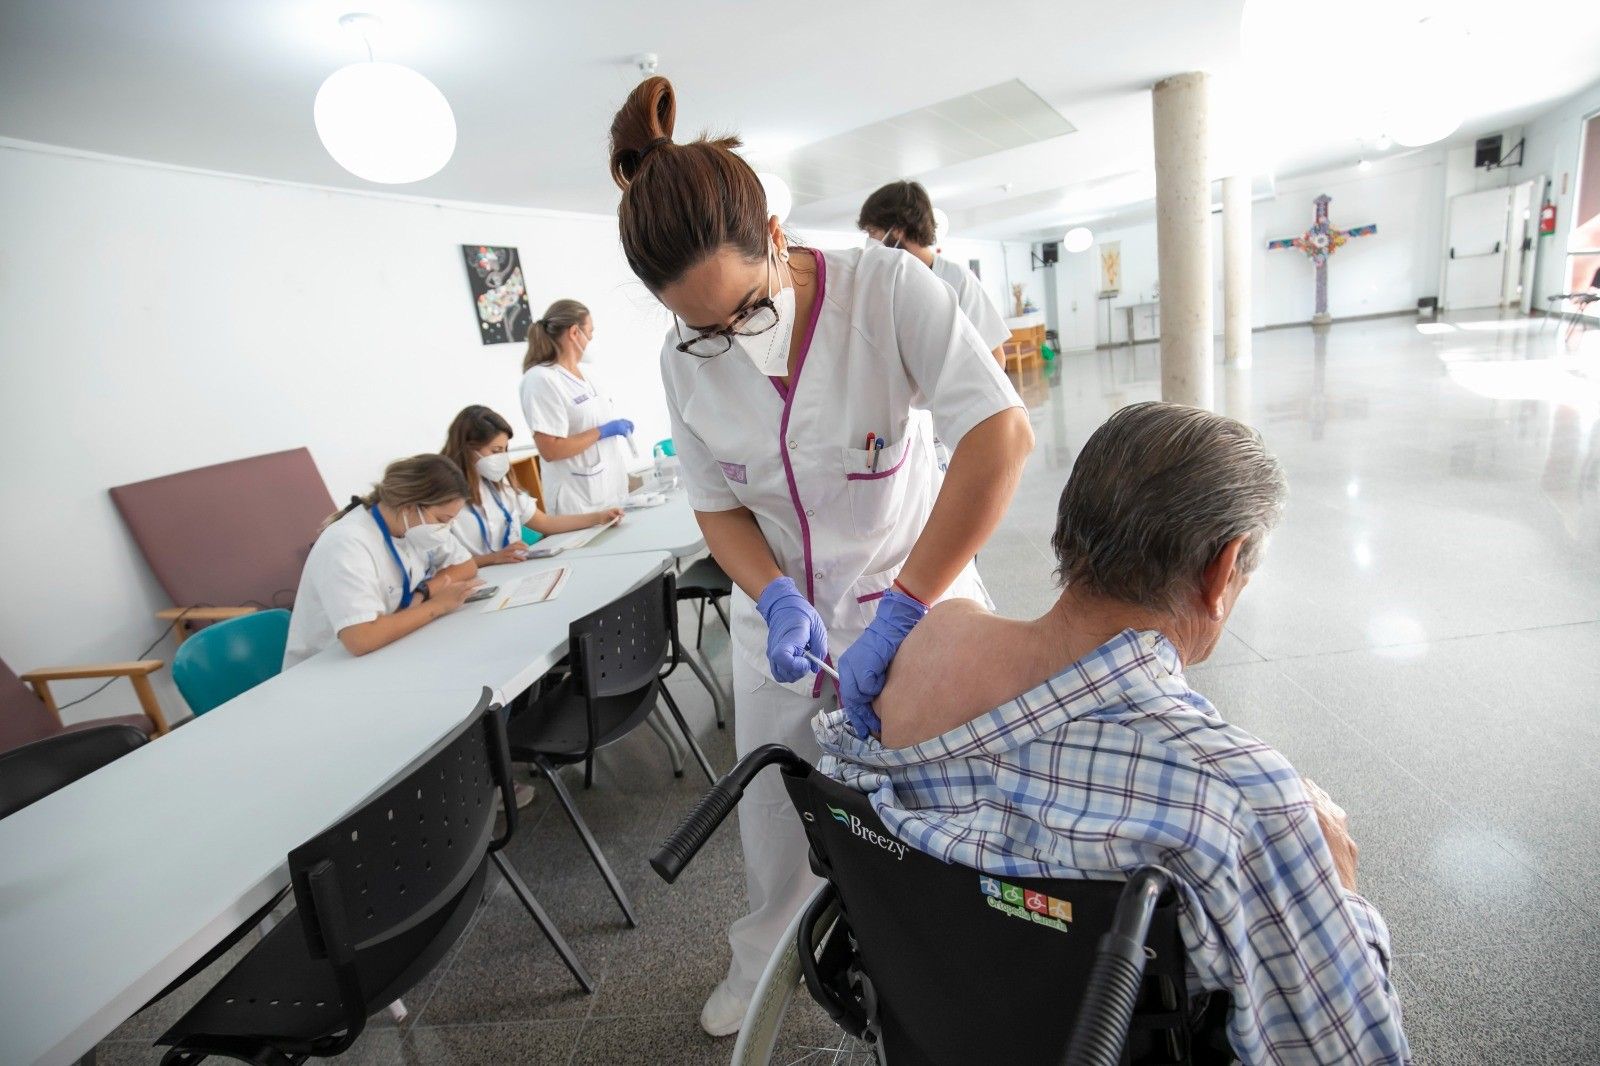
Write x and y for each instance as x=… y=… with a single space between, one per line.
x=560 y=542
x=542 y=587
x=640 y=500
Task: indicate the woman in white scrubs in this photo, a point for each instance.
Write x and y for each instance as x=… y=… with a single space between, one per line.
x=386 y=565
x=900 y=215
x=490 y=525
x=790 y=376
x=583 y=446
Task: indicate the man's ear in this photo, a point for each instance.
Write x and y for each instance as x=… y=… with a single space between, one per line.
x=1218 y=575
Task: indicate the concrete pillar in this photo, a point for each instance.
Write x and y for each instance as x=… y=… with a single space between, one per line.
x=1183 y=238
x=1236 y=271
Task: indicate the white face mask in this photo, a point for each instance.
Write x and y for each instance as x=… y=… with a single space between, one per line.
x=769 y=351
x=494 y=467
x=426 y=536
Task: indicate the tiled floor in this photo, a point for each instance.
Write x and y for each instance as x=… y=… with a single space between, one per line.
x=1423 y=638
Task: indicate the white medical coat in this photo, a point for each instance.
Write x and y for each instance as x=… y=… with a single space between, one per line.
x=885 y=335
x=561 y=404
x=974 y=300
x=350 y=578
x=496 y=501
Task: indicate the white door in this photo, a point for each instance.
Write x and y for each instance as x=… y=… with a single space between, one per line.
x=1525 y=201
x=1476 y=255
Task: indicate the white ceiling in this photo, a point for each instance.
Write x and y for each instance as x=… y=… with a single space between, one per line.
x=228 y=85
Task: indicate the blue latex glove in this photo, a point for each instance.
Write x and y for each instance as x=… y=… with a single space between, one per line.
x=864 y=666
x=793 y=627
x=617 y=427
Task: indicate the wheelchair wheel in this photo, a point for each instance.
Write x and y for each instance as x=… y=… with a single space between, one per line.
x=779 y=1030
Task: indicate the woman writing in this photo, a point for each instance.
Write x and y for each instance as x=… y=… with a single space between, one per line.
x=490 y=525
x=790 y=376
x=584 y=446
x=386 y=565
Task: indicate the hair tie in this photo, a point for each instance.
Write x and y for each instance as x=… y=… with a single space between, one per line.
x=652 y=146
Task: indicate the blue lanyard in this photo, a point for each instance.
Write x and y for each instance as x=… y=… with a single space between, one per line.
x=483 y=528
x=405 y=575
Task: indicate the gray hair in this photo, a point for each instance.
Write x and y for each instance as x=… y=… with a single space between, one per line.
x=1155 y=495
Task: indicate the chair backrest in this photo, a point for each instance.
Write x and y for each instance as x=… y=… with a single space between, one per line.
x=24 y=718
x=231 y=534
x=967 y=967
x=400 y=876
x=230 y=657
x=621 y=647
x=33 y=771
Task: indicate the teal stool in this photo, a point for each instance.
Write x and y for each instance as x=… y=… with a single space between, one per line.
x=230 y=657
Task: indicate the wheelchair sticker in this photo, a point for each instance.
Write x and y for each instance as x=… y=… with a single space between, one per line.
x=1026 y=904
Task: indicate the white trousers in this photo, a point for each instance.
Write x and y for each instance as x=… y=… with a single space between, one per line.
x=778 y=878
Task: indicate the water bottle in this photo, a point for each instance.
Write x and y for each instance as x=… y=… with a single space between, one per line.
x=667 y=467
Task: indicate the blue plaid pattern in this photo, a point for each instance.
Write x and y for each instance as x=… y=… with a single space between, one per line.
x=1115 y=763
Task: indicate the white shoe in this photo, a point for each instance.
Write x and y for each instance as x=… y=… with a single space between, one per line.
x=524 y=794
x=724 y=1011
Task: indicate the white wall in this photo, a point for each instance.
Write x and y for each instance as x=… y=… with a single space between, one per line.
x=153 y=320
x=1553 y=142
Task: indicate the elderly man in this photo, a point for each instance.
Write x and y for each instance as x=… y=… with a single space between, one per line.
x=1072 y=746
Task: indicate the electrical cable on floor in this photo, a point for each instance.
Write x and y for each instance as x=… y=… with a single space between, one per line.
x=152 y=647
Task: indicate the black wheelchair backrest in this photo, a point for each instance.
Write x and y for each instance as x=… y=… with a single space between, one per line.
x=968 y=967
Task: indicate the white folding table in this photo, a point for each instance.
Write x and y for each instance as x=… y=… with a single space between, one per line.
x=113 y=886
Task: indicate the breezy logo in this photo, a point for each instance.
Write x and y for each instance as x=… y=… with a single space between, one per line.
x=876 y=839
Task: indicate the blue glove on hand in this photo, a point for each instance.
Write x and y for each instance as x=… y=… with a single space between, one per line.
x=864 y=667
x=793 y=627
x=617 y=427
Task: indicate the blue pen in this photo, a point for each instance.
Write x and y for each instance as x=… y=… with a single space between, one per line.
x=877 y=446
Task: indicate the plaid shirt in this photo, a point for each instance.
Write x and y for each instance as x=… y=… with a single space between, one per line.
x=1115 y=763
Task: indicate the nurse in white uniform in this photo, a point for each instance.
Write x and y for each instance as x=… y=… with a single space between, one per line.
x=584 y=447
x=386 y=565
x=780 y=362
x=900 y=215
x=490 y=525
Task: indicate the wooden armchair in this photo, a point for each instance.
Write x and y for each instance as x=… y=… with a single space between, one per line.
x=29 y=714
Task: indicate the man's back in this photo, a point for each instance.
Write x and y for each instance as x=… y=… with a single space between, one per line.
x=1113 y=762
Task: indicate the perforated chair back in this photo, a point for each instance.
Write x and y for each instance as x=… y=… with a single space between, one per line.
x=620 y=648
x=964 y=967
x=30 y=773
x=230 y=657
x=402 y=874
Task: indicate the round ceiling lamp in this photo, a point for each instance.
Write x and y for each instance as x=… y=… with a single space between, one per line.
x=1078 y=239
x=383 y=122
x=1417 y=125
x=941 y=225
x=780 y=201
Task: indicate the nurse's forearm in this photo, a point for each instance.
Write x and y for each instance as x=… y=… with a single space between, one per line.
x=367 y=637
x=461 y=571
x=553 y=449
x=983 y=475
x=737 y=544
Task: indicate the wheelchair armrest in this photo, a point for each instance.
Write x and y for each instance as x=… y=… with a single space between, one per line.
x=708 y=812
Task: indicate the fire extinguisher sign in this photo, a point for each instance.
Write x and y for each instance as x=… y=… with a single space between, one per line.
x=1547 y=219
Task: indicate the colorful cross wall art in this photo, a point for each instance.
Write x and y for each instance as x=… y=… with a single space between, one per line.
x=498 y=294
x=1319 y=242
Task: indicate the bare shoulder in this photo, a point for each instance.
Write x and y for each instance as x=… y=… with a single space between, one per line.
x=936 y=679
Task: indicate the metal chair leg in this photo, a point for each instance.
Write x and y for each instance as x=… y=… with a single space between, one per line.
x=692 y=660
x=688 y=734
x=542 y=920
x=716 y=605
x=659 y=729
x=604 y=867
x=700 y=624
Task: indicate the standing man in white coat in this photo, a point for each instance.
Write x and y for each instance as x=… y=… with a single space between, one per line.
x=900 y=215
x=790 y=377
x=583 y=445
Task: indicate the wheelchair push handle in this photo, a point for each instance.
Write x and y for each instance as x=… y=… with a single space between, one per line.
x=709 y=810
x=1112 y=993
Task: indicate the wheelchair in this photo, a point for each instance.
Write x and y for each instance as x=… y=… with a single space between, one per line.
x=925 y=963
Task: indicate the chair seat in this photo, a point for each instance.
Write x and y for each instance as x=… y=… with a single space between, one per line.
x=556 y=726
x=704 y=578
x=135 y=721
x=278 y=996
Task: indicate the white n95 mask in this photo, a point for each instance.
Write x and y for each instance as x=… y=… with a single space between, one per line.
x=494 y=467
x=427 y=536
x=769 y=351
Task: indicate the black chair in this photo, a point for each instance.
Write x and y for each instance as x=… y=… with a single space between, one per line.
x=705 y=582
x=33 y=771
x=616 y=658
x=380 y=899
x=938 y=963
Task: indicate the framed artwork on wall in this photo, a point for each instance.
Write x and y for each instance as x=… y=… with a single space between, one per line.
x=499 y=296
